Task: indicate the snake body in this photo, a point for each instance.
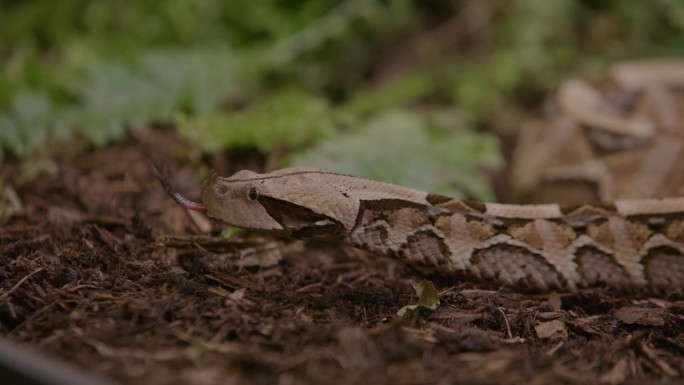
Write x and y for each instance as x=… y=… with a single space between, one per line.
x=625 y=140
x=633 y=244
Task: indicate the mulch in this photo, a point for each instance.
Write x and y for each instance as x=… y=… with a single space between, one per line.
x=99 y=268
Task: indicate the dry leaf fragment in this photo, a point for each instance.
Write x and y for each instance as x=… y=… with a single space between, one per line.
x=551 y=330
x=641 y=316
x=555 y=301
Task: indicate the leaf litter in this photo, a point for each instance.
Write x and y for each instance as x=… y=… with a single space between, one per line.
x=100 y=269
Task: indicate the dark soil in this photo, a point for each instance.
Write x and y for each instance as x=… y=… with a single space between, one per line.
x=101 y=269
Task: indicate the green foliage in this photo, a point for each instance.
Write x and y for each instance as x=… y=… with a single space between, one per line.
x=100 y=101
x=108 y=78
x=114 y=96
x=403 y=90
x=26 y=120
x=144 y=23
x=411 y=149
x=287 y=119
x=349 y=73
x=428 y=299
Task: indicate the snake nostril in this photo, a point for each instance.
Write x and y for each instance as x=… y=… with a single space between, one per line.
x=221 y=189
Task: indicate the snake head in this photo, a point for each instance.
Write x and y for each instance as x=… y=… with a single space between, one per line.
x=236 y=200
x=296 y=202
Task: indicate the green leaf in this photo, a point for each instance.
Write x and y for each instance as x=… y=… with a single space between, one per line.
x=428 y=299
x=229 y=232
x=411 y=149
x=409 y=87
x=195 y=353
x=286 y=119
x=24 y=126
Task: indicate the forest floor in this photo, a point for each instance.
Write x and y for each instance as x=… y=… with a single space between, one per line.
x=101 y=269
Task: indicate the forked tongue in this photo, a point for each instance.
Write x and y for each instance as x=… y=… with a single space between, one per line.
x=183 y=201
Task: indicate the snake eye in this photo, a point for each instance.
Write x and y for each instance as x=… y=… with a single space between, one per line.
x=253 y=194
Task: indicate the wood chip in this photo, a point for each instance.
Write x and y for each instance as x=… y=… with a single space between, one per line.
x=617 y=374
x=641 y=316
x=551 y=330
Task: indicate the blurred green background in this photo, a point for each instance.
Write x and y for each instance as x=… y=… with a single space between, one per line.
x=417 y=92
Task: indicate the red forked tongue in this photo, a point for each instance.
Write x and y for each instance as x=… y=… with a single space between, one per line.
x=188 y=204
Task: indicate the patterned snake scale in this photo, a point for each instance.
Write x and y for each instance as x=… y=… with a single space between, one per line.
x=625 y=139
x=631 y=245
